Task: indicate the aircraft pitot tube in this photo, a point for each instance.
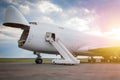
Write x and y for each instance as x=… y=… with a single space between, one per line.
x=13 y=18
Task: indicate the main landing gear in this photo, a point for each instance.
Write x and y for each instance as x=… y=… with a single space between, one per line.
x=38 y=60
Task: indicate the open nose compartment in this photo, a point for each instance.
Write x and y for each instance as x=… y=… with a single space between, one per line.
x=23 y=37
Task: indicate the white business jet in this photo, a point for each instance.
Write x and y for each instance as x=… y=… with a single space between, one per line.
x=53 y=39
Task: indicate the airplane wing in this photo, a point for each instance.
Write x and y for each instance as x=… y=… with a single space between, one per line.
x=100 y=46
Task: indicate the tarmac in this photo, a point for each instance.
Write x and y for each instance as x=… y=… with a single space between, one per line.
x=47 y=71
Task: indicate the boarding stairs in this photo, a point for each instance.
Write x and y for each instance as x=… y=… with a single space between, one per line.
x=68 y=58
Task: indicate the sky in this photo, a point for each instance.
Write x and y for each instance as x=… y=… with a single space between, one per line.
x=96 y=17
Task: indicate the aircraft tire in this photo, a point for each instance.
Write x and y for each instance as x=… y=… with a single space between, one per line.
x=38 y=61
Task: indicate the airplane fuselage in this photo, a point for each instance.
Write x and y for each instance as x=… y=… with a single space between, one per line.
x=36 y=38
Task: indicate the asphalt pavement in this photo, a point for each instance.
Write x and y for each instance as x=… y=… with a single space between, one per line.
x=46 y=71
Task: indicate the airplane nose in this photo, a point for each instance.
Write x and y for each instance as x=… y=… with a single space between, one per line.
x=13 y=18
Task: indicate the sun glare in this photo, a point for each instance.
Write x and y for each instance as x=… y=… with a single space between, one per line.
x=114 y=33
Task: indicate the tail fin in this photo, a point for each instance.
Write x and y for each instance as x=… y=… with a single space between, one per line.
x=13 y=18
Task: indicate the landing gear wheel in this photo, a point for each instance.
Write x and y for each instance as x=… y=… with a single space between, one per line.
x=38 y=61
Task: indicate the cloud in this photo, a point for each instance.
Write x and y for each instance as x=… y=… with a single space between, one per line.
x=25 y=9
x=47 y=19
x=81 y=19
x=48 y=12
x=3 y=36
x=85 y=11
x=77 y=23
x=22 y=5
x=114 y=33
x=9 y=33
x=47 y=7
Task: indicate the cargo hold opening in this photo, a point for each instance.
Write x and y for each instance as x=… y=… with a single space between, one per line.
x=23 y=37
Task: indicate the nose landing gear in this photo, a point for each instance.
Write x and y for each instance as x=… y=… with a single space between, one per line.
x=38 y=60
